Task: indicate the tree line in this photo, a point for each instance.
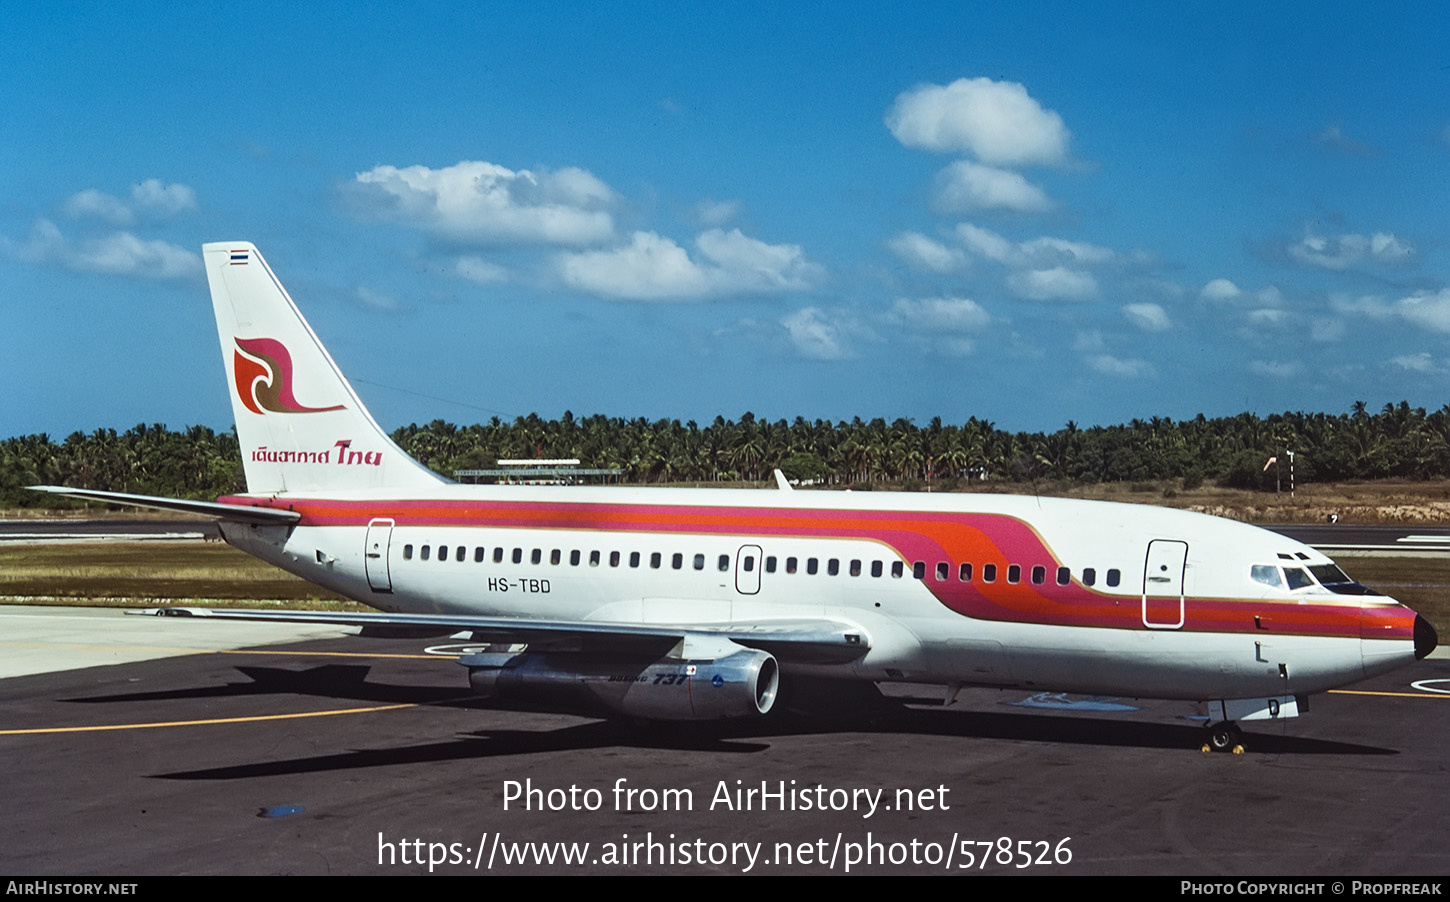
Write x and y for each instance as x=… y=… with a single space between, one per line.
x=198 y=462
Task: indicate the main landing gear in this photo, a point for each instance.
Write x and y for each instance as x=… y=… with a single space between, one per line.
x=1224 y=736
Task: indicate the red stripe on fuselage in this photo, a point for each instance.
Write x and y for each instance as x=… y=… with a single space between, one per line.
x=926 y=536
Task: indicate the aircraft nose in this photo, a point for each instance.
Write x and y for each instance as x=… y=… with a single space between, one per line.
x=1389 y=632
x=1425 y=638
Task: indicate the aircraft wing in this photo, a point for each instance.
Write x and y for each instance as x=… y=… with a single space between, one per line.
x=234 y=512
x=822 y=641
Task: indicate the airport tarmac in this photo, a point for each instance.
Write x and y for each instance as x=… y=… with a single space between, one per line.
x=369 y=756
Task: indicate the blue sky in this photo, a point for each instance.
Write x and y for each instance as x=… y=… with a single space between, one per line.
x=1026 y=213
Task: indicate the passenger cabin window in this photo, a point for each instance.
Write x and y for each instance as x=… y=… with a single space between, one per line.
x=897 y=570
x=677 y=560
x=407 y=552
x=770 y=564
x=918 y=570
x=1039 y=575
x=1064 y=576
x=876 y=568
x=855 y=568
x=614 y=558
x=724 y=562
x=833 y=566
x=498 y=555
x=942 y=569
x=964 y=573
x=518 y=555
x=634 y=559
x=461 y=554
x=479 y=553
x=1114 y=577
x=536 y=555
x=556 y=556
x=424 y=555
x=989 y=573
x=812 y=566
x=574 y=558
x=594 y=559
x=699 y=562
x=1089 y=576
x=790 y=565
x=1014 y=573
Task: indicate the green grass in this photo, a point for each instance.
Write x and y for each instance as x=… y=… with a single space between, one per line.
x=131 y=572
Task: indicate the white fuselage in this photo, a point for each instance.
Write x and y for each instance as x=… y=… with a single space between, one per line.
x=991 y=590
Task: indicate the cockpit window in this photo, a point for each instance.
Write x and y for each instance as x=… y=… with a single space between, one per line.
x=1338 y=582
x=1329 y=575
x=1298 y=579
x=1266 y=574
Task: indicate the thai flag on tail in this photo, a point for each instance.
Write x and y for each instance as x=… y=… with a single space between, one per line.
x=239 y=258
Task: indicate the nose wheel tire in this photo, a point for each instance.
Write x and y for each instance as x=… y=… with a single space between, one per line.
x=1225 y=737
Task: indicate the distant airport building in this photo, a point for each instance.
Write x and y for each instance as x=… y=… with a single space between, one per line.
x=538 y=471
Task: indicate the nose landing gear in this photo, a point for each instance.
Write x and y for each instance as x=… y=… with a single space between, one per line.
x=1224 y=736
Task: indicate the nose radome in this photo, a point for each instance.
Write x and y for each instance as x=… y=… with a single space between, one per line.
x=1425 y=638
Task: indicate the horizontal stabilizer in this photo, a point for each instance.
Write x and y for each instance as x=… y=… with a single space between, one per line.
x=235 y=513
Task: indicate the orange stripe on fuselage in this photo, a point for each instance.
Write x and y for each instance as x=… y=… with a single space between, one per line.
x=978 y=538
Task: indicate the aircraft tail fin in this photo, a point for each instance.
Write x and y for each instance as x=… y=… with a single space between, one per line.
x=301 y=426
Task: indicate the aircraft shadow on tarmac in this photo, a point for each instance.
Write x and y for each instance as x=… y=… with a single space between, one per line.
x=879 y=715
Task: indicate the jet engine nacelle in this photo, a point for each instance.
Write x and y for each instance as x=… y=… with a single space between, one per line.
x=740 y=684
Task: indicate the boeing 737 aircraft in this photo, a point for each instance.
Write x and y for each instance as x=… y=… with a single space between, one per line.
x=694 y=604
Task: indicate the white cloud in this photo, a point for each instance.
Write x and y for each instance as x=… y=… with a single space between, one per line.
x=941 y=325
x=924 y=253
x=1039 y=253
x=1056 y=284
x=1148 y=317
x=818 y=336
x=377 y=300
x=745 y=264
x=94 y=204
x=1060 y=252
x=1109 y=365
x=1267 y=317
x=119 y=253
x=1428 y=309
x=1220 y=290
x=996 y=121
x=1275 y=369
x=481 y=271
x=1419 y=363
x=1342 y=251
x=152 y=195
x=652 y=267
x=965 y=186
x=163 y=198
x=648 y=268
x=489 y=204
x=941 y=314
x=710 y=212
x=986 y=243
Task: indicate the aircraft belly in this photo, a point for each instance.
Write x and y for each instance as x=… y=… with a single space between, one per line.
x=1134 y=663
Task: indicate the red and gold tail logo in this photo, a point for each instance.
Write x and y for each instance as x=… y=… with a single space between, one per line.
x=262 y=368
